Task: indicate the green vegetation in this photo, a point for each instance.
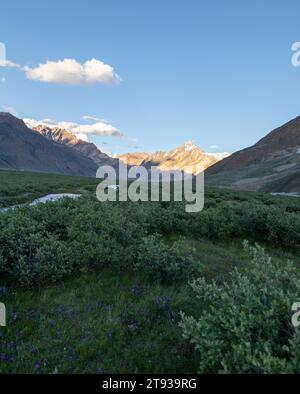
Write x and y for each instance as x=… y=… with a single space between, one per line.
x=101 y=322
x=100 y=287
x=244 y=325
x=19 y=187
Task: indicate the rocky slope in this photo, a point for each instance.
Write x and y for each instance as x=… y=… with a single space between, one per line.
x=186 y=156
x=24 y=149
x=66 y=138
x=272 y=164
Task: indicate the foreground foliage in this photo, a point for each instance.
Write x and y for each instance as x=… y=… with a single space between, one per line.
x=49 y=242
x=245 y=323
x=98 y=287
x=96 y=323
x=17 y=187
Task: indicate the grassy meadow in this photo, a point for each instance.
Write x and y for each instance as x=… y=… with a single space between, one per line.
x=19 y=187
x=110 y=287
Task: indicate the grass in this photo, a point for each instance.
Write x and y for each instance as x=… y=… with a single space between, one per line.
x=218 y=259
x=97 y=323
x=19 y=187
x=106 y=321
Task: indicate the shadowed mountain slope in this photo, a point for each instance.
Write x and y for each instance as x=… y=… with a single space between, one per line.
x=24 y=149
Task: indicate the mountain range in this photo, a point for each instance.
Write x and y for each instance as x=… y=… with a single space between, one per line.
x=185 y=158
x=271 y=165
x=64 y=137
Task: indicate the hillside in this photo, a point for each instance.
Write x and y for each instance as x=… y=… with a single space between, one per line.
x=272 y=164
x=24 y=149
x=66 y=138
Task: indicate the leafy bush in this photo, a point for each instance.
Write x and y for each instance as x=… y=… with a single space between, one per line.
x=30 y=254
x=245 y=324
x=163 y=262
x=49 y=241
x=252 y=219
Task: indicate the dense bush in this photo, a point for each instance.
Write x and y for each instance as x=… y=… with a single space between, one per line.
x=50 y=241
x=251 y=219
x=245 y=324
x=163 y=262
x=55 y=239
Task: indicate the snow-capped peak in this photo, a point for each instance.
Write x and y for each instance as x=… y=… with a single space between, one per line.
x=189 y=145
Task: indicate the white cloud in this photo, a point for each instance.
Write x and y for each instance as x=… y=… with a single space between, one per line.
x=98 y=128
x=220 y=156
x=3 y=80
x=9 y=64
x=82 y=131
x=11 y=110
x=215 y=147
x=90 y=118
x=71 y=72
x=82 y=137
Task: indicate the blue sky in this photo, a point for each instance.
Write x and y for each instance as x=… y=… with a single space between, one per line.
x=215 y=72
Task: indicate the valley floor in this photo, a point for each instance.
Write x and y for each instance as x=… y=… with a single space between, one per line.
x=95 y=287
x=108 y=322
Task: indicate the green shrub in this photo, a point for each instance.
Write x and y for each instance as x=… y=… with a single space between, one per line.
x=164 y=262
x=36 y=258
x=245 y=324
x=85 y=234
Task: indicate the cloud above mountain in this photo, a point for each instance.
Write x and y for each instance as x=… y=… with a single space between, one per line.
x=10 y=109
x=81 y=130
x=69 y=72
x=215 y=147
x=8 y=64
x=91 y=118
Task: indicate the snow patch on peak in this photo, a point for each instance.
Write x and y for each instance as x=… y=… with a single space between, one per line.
x=220 y=156
x=189 y=145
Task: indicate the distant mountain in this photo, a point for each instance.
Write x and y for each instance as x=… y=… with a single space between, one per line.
x=66 y=138
x=24 y=149
x=272 y=164
x=185 y=156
